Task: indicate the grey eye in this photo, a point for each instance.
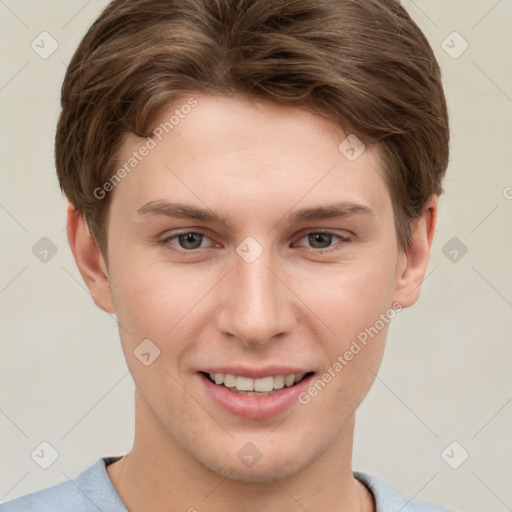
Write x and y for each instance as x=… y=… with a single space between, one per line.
x=190 y=240
x=318 y=240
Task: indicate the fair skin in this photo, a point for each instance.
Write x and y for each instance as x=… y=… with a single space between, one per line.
x=255 y=163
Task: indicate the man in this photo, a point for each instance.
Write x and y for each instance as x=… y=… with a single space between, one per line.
x=253 y=193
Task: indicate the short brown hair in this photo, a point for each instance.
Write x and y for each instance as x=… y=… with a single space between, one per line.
x=364 y=64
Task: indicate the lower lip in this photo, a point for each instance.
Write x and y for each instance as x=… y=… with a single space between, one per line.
x=251 y=406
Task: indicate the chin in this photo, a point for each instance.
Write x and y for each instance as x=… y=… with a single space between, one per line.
x=260 y=473
x=270 y=468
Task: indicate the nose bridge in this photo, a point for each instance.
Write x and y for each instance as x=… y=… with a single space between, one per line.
x=256 y=307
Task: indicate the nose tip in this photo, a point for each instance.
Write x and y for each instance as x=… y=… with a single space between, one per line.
x=256 y=307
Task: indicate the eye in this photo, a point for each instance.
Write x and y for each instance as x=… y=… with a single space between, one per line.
x=187 y=241
x=190 y=241
x=321 y=241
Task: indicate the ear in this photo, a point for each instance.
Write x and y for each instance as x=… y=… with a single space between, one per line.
x=89 y=260
x=414 y=261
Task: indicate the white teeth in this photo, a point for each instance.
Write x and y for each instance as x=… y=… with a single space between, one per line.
x=265 y=384
x=279 y=382
x=289 y=380
x=229 y=380
x=256 y=386
x=244 y=384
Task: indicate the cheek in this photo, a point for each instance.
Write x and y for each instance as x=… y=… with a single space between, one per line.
x=152 y=298
x=351 y=298
x=170 y=305
x=355 y=302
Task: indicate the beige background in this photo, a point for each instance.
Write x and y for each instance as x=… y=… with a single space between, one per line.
x=446 y=375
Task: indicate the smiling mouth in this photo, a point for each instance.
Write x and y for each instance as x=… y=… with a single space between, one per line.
x=255 y=387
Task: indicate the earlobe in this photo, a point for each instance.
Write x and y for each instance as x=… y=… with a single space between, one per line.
x=412 y=273
x=89 y=260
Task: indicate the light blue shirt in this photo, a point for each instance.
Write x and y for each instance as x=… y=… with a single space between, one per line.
x=92 y=491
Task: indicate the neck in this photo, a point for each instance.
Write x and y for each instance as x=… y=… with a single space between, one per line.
x=158 y=474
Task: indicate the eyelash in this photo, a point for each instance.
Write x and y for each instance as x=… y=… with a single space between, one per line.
x=166 y=241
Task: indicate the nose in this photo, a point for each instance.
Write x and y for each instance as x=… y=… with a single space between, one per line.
x=257 y=305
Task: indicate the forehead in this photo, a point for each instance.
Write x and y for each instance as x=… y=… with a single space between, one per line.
x=240 y=153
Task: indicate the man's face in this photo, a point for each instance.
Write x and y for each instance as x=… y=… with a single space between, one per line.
x=261 y=294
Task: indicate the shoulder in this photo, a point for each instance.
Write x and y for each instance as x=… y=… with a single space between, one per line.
x=90 y=491
x=62 y=497
x=389 y=500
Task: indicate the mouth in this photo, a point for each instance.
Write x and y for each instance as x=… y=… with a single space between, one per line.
x=256 y=387
x=255 y=393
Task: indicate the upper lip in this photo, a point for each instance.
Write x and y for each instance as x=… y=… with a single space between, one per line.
x=257 y=373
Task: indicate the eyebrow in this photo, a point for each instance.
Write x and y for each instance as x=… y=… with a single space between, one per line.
x=330 y=211
x=185 y=211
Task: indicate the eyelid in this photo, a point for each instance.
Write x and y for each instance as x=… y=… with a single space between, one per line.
x=343 y=239
x=345 y=234
x=169 y=236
